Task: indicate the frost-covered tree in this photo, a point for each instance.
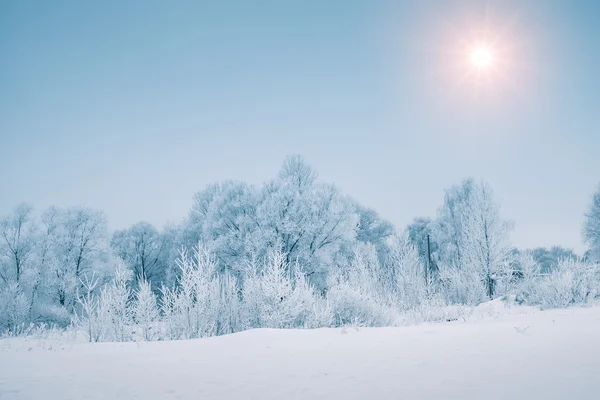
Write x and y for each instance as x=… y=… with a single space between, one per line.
x=410 y=282
x=223 y=218
x=80 y=243
x=192 y=308
x=310 y=223
x=472 y=243
x=485 y=247
x=591 y=227
x=114 y=300
x=449 y=229
x=419 y=231
x=145 y=310
x=141 y=248
x=267 y=293
x=18 y=271
x=17 y=243
x=45 y=282
x=375 y=230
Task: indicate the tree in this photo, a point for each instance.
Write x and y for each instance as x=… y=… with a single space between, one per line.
x=374 y=229
x=141 y=247
x=312 y=224
x=591 y=227
x=267 y=295
x=114 y=299
x=411 y=283
x=418 y=233
x=484 y=245
x=17 y=243
x=223 y=218
x=448 y=229
x=80 y=244
x=145 y=310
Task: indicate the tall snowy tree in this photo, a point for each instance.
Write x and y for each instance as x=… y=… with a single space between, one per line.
x=141 y=247
x=448 y=229
x=80 y=246
x=485 y=247
x=17 y=243
x=309 y=222
x=591 y=227
x=223 y=217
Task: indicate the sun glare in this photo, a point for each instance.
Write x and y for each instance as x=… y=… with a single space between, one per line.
x=482 y=57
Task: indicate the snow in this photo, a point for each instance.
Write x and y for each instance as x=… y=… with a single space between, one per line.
x=499 y=352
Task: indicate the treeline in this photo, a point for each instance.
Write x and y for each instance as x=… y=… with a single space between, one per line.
x=293 y=252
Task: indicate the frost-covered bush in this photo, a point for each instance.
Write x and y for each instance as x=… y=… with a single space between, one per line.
x=267 y=295
x=352 y=306
x=91 y=318
x=460 y=285
x=572 y=282
x=205 y=303
x=359 y=294
x=308 y=308
x=107 y=315
x=191 y=309
x=14 y=308
x=279 y=297
x=529 y=271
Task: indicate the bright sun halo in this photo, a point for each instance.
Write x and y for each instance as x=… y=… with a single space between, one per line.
x=481 y=57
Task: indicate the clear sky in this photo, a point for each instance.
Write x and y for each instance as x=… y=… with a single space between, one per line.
x=132 y=106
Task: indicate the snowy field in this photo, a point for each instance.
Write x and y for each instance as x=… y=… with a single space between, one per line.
x=521 y=354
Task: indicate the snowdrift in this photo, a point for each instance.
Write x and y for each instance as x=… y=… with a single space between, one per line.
x=521 y=353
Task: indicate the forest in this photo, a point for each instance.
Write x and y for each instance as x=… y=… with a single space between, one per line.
x=293 y=252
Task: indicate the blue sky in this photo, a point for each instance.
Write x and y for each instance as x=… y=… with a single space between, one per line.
x=131 y=107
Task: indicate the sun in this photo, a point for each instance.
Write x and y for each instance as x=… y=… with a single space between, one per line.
x=482 y=57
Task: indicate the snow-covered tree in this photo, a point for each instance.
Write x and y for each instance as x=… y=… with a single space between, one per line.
x=267 y=293
x=18 y=271
x=79 y=245
x=223 y=217
x=410 y=281
x=374 y=230
x=485 y=247
x=17 y=243
x=591 y=227
x=193 y=308
x=91 y=316
x=309 y=222
x=418 y=232
x=114 y=301
x=473 y=251
x=448 y=229
x=141 y=247
x=145 y=310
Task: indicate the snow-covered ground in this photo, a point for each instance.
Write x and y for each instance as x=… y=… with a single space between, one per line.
x=521 y=354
